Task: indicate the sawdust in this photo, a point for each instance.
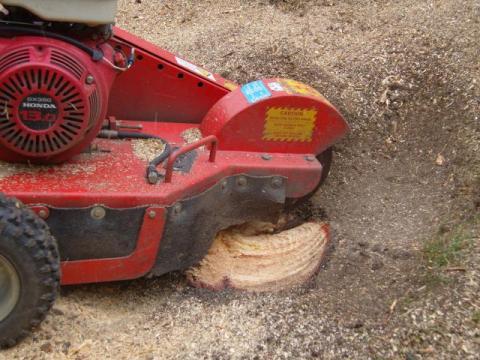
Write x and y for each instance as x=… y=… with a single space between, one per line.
x=147 y=149
x=250 y=257
x=191 y=135
x=67 y=169
x=6 y=170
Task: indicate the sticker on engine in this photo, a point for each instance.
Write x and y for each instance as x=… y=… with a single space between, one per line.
x=298 y=88
x=196 y=69
x=255 y=91
x=38 y=112
x=289 y=124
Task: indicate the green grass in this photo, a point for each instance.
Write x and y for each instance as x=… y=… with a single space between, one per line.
x=476 y=317
x=434 y=279
x=445 y=249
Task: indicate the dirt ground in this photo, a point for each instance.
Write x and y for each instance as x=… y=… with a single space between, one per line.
x=406 y=76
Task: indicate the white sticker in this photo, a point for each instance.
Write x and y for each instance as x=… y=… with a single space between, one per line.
x=196 y=69
x=275 y=86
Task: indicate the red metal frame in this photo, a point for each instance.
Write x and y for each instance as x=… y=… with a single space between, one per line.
x=115 y=177
x=209 y=140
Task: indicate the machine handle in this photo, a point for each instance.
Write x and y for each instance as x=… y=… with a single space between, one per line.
x=187 y=148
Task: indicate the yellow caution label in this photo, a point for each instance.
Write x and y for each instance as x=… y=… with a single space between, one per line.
x=295 y=87
x=289 y=124
x=230 y=85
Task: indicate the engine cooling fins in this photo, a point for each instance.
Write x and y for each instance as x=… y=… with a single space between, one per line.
x=52 y=100
x=42 y=112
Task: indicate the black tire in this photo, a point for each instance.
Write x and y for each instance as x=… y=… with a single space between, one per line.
x=30 y=249
x=325 y=158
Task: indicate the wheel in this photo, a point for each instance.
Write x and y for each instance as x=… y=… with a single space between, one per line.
x=29 y=271
x=325 y=158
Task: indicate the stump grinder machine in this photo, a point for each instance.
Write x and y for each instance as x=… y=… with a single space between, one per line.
x=78 y=202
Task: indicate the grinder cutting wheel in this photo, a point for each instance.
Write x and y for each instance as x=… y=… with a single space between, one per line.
x=77 y=92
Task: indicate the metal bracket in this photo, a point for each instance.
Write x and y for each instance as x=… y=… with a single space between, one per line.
x=212 y=140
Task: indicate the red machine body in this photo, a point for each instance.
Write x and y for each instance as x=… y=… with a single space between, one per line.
x=119 y=159
x=258 y=147
x=53 y=99
x=292 y=118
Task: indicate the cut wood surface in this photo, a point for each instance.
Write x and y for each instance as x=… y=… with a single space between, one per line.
x=253 y=257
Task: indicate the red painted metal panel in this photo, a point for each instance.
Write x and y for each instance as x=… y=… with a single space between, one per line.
x=159 y=87
x=139 y=263
x=284 y=121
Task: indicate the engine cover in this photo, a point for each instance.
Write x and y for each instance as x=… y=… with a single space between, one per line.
x=53 y=99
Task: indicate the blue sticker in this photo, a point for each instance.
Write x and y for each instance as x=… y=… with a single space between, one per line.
x=255 y=91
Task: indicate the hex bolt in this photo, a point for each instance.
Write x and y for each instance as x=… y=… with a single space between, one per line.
x=177 y=209
x=277 y=182
x=152 y=214
x=90 y=79
x=153 y=177
x=310 y=158
x=43 y=213
x=266 y=157
x=241 y=181
x=98 y=213
x=224 y=185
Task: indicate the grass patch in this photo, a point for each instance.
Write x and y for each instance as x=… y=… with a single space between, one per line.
x=446 y=248
x=433 y=279
x=476 y=317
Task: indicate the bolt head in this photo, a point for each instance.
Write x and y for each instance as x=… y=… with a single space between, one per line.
x=177 y=209
x=310 y=158
x=224 y=185
x=242 y=181
x=153 y=177
x=89 y=79
x=43 y=213
x=266 y=157
x=98 y=213
x=277 y=182
x=152 y=214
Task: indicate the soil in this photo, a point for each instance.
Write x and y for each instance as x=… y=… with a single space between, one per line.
x=406 y=76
